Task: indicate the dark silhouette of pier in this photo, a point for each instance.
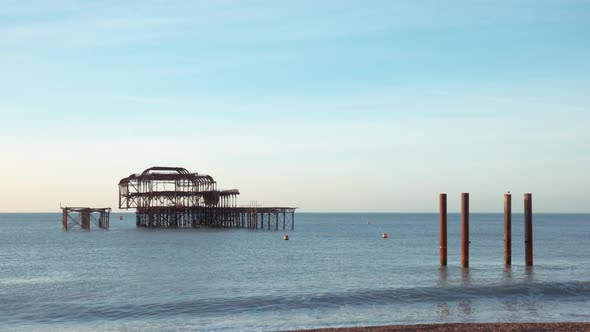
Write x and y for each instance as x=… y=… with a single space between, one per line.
x=172 y=197
x=82 y=217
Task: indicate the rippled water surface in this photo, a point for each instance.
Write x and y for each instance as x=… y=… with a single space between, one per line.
x=335 y=270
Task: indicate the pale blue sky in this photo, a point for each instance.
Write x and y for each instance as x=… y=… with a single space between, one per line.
x=327 y=105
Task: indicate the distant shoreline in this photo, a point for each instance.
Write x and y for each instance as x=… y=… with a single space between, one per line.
x=496 y=327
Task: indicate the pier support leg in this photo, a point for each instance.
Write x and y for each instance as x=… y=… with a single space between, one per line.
x=85 y=219
x=528 y=229
x=64 y=219
x=507 y=229
x=443 y=229
x=464 y=229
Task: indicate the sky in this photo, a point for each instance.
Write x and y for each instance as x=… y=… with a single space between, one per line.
x=333 y=105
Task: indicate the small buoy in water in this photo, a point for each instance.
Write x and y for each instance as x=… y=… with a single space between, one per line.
x=285 y=237
x=384 y=235
x=120 y=217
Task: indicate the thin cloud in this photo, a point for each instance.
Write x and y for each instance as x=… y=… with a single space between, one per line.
x=83 y=24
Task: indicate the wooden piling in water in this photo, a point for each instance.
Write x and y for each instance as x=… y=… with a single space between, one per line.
x=464 y=229
x=64 y=219
x=443 y=229
x=83 y=216
x=528 y=229
x=507 y=229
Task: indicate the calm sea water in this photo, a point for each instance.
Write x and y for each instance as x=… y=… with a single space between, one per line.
x=335 y=270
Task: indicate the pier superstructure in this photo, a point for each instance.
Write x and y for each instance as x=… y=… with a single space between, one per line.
x=173 y=197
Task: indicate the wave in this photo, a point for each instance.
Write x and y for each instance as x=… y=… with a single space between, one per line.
x=575 y=290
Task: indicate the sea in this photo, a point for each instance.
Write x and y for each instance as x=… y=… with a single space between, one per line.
x=335 y=270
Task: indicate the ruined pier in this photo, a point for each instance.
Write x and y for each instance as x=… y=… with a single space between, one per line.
x=172 y=197
x=83 y=216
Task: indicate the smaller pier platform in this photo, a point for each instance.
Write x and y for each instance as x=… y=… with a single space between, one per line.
x=83 y=216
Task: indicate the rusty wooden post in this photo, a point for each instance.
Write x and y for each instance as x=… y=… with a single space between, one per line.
x=507 y=229
x=464 y=229
x=443 y=229
x=85 y=219
x=528 y=229
x=64 y=218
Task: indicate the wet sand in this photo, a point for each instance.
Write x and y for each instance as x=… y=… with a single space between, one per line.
x=496 y=327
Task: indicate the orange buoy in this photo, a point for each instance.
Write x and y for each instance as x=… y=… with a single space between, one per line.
x=384 y=235
x=286 y=237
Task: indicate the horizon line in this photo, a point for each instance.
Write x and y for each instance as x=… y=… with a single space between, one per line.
x=346 y=212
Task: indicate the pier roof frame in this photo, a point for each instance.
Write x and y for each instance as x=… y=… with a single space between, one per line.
x=152 y=188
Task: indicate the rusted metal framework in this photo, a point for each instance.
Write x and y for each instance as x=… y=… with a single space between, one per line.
x=172 y=197
x=83 y=216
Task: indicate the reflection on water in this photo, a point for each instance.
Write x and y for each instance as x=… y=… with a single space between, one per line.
x=442 y=275
x=529 y=274
x=535 y=296
x=507 y=274
x=443 y=311
x=465 y=277
x=517 y=290
x=465 y=307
